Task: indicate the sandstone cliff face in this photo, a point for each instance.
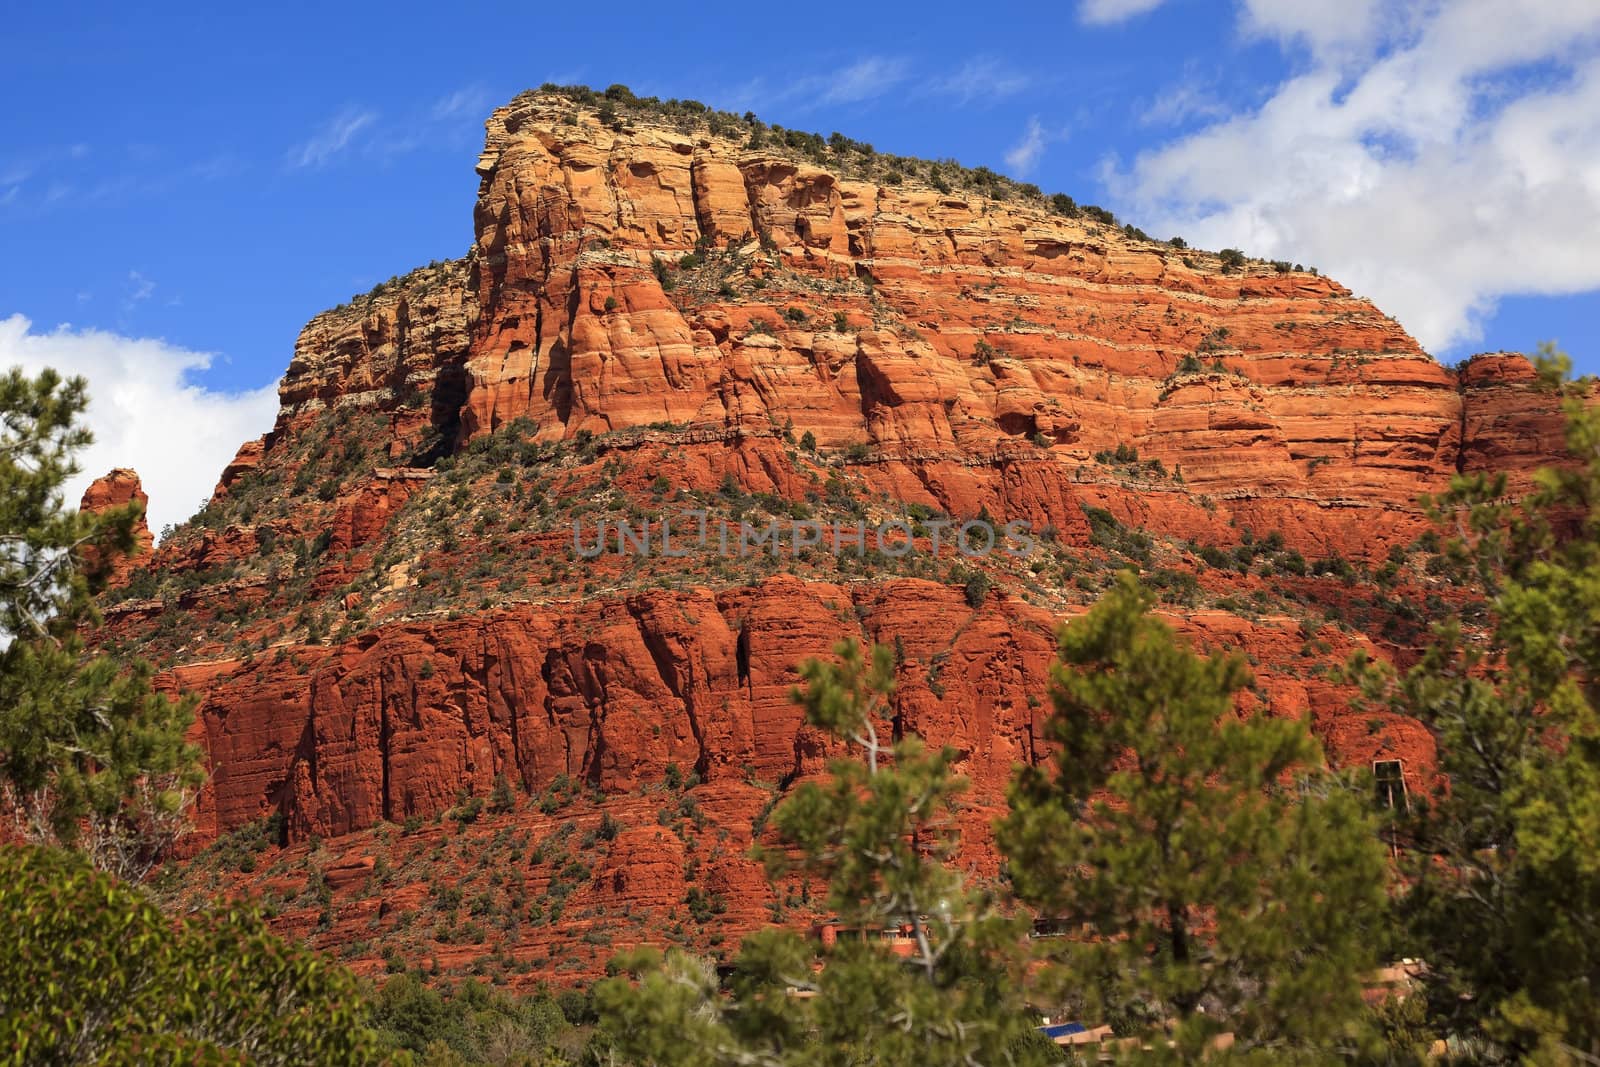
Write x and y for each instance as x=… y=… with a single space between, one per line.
x=1080 y=333
x=385 y=614
x=946 y=330
x=613 y=700
x=399 y=723
x=398 y=351
x=1507 y=424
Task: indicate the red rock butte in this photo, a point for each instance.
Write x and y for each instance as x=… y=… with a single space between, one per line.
x=660 y=309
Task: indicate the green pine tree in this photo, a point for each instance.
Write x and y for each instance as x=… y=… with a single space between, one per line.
x=94 y=972
x=89 y=754
x=1504 y=897
x=91 y=757
x=881 y=830
x=1209 y=879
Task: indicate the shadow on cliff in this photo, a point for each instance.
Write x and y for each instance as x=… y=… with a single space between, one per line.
x=449 y=396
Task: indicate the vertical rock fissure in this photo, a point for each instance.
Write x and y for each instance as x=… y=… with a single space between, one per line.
x=387 y=806
x=611 y=184
x=514 y=717
x=752 y=201
x=705 y=222
x=682 y=687
x=594 y=772
x=538 y=347
x=552 y=722
x=741 y=657
x=596 y=699
x=702 y=758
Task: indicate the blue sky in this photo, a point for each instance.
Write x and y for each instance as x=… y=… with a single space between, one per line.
x=201 y=184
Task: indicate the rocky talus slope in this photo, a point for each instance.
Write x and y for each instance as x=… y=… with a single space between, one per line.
x=486 y=752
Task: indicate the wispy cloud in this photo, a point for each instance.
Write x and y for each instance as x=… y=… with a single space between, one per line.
x=860 y=80
x=469 y=102
x=42 y=180
x=863 y=80
x=140 y=289
x=981 y=78
x=1026 y=152
x=221 y=165
x=1187 y=101
x=19 y=173
x=332 y=138
x=450 y=122
x=1110 y=12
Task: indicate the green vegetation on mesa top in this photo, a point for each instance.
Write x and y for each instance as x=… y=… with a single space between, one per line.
x=425 y=279
x=853 y=158
x=856 y=159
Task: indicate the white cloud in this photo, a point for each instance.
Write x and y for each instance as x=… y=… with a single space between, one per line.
x=1188 y=101
x=1108 y=12
x=221 y=165
x=471 y=102
x=981 y=78
x=1323 y=27
x=1026 y=152
x=863 y=80
x=332 y=138
x=145 y=411
x=139 y=290
x=1435 y=162
x=53 y=178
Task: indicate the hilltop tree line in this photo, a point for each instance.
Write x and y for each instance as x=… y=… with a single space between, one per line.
x=1211 y=890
